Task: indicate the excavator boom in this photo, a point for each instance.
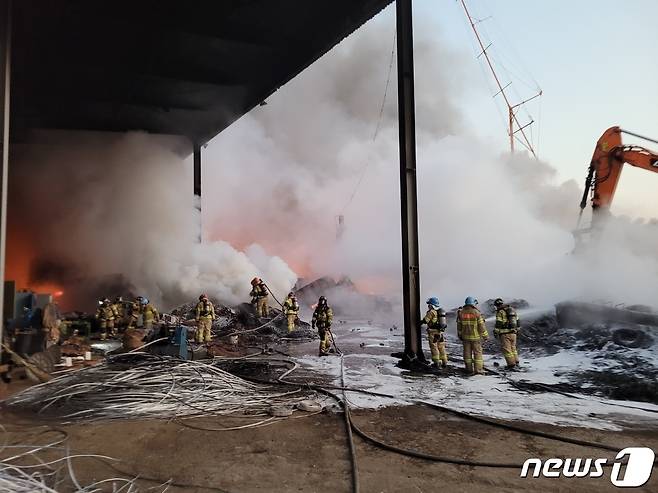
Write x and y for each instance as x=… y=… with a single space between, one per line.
x=607 y=162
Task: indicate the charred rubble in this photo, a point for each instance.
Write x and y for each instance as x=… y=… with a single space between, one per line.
x=625 y=353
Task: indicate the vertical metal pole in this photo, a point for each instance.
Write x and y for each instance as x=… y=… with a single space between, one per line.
x=5 y=63
x=413 y=348
x=197 y=185
x=511 y=129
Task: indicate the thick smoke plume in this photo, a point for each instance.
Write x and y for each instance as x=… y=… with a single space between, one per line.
x=118 y=210
x=112 y=214
x=490 y=224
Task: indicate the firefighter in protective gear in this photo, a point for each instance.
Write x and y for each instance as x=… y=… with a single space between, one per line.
x=507 y=326
x=205 y=314
x=51 y=322
x=435 y=319
x=291 y=309
x=323 y=316
x=136 y=309
x=106 y=315
x=150 y=314
x=471 y=330
x=120 y=308
x=259 y=294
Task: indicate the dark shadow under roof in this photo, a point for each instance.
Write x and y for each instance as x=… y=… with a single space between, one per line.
x=168 y=67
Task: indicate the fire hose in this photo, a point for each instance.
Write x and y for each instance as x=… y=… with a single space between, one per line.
x=460 y=414
x=273 y=296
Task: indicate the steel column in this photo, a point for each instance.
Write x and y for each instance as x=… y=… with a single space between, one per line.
x=413 y=349
x=5 y=79
x=197 y=185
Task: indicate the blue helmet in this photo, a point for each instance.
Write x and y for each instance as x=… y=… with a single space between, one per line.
x=470 y=301
x=434 y=301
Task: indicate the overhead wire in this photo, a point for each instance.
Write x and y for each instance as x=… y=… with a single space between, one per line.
x=512 y=109
x=377 y=126
x=483 y=72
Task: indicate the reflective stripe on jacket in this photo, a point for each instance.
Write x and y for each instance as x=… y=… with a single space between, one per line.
x=501 y=321
x=506 y=320
x=323 y=317
x=259 y=291
x=150 y=313
x=205 y=309
x=119 y=310
x=291 y=306
x=470 y=324
x=435 y=319
x=105 y=313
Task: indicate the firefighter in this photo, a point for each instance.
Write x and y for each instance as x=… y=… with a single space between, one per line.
x=435 y=319
x=150 y=314
x=205 y=314
x=259 y=296
x=120 y=309
x=291 y=309
x=136 y=318
x=322 y=318
x=471 y=330
x=106 y=315
x=51 y=322
x=507 y=326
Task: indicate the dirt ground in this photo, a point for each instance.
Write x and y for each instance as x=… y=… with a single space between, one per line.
x=310 y=454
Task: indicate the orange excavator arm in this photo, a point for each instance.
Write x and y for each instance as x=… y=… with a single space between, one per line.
x=607 y=162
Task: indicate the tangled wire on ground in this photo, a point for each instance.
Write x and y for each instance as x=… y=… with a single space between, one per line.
x=48 y=468
x=139 y=385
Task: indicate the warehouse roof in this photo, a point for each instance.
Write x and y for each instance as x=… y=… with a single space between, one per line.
x=165 y=66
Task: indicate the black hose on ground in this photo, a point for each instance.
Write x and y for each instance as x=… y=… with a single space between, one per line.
x=462 y=414
x=338 y=351
x=398 y=450
x=349 y=426
x=239 y=332
x=414 y=453
x=430 y=457
x=348 y=429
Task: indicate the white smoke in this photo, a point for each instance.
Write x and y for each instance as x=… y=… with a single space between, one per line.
x=490 y=225
x=123 y=205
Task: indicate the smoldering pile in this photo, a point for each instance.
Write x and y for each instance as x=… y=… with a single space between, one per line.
x=241 y=321
x=143 y=386
x=604 y=354
x=344 y=297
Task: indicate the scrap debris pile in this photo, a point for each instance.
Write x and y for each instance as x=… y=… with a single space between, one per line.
x=616 y=360
x=346 y=299
x=144 y=386
x=242 y=320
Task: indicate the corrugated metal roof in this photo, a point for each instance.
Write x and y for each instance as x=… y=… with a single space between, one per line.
x=170 y=67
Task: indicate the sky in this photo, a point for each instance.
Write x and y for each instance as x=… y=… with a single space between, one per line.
x=594 y=60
